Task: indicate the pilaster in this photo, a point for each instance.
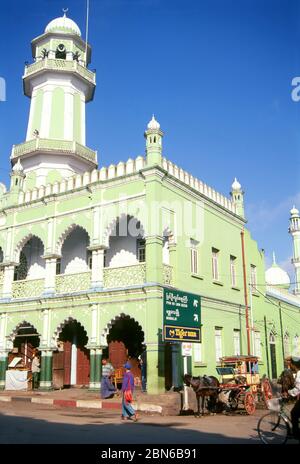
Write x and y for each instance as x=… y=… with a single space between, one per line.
x=8 y=279
x=46 y=370
x=50 y=274
x=97 y=266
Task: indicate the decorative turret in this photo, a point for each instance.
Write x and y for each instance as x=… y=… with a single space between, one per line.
x=59 y=85
x=294 y=230
x=17 y=177
x=153 y=136
x=238 y=197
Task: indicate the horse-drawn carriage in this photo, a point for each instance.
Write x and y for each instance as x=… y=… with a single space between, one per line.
x=240 y=383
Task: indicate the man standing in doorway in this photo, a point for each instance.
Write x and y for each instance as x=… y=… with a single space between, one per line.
x=35 y=369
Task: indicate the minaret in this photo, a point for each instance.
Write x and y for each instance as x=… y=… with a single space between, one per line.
x=237 y=195
x=294 y=230
x=59 y=85
x=17 y=177
x=153 y=136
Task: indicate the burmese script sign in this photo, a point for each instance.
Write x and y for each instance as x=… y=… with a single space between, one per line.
x=182 y=316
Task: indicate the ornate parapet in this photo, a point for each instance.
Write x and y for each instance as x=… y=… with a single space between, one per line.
x=28 y=288
x=114 y=171
x=52 y=146
x=196 y=184
x=69 y=283
x=125 y=276
x=60 y=66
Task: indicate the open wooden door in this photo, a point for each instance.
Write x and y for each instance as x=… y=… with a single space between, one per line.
x=67 y=363
x=83 y=366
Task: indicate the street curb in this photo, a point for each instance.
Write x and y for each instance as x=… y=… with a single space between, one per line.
x=89 y=404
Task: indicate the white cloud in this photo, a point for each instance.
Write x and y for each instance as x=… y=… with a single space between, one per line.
x=263 y=215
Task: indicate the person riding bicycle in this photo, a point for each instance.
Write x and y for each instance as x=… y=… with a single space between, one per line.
x=294 y=364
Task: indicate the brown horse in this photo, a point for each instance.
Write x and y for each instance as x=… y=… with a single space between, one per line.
x=203 y=387
x=286 y=380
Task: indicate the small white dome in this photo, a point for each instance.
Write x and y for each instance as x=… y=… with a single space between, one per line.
x=18 y=166
x=275 y=275
x=294 y=211
x=153 y=124
x=236 y=185
x=63 y=24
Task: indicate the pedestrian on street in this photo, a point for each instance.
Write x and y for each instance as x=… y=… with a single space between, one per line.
x=295 y=412
x=127 y=390
x=35 y=369
x=107 y=388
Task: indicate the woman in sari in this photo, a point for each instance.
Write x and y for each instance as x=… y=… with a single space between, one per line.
x=127 y=389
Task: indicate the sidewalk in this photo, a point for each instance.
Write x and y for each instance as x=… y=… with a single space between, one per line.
x=165 y=404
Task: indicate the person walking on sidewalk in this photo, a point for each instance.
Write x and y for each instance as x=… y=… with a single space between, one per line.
x=35 y=369
x=127 y=389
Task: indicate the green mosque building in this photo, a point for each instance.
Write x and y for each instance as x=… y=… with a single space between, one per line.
x=87 y=251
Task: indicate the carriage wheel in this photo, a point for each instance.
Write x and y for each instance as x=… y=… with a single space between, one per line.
x=249 y=403
x=266 y=390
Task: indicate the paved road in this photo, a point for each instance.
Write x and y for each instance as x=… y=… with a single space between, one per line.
x=22 y=422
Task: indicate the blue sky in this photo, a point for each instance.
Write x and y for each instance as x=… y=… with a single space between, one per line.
x=216 y=73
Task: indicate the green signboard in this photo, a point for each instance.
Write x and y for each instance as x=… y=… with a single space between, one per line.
x=182 y=316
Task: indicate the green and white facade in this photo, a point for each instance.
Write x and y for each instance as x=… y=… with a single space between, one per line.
x=94 y=245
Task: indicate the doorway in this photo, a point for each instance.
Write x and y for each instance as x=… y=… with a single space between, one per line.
x=273 y=356
x=71 y=362
x=125 y=342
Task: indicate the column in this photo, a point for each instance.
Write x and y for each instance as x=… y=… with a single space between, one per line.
x=8 y=281
x=98 y=368
x=95 y=368
x=50 y=274
x=97 y=267
x=176 y=353
x=154 y=265
x=92 y=368
x=3 y=368
x=46 y=370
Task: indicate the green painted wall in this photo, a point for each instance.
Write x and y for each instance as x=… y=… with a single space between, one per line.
x=77 y=119
x=57 y=115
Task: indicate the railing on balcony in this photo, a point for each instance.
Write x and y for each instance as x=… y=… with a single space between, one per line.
x=48 y=145
x=28 y=288
x=60 y=65
x=295 y=260
x=167 y=274
x=68 y=283
x=126 y=276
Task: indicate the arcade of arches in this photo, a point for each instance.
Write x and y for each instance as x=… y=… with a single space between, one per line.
x=71 y=364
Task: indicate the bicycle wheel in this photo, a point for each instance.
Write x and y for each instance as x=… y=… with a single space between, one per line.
x=272 y=429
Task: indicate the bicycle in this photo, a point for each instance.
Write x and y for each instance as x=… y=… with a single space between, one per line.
x=275 y=427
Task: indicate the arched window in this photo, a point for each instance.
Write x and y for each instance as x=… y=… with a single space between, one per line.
x=22 y=269
x=272 y=338
x=61 y=52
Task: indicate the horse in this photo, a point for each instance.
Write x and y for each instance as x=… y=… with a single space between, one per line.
x=203 y=386
x=286 y=380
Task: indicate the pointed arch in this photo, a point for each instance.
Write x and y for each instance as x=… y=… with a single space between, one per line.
x=113 y=321
x=66 y=233
x=62 y=325
x=20 y=245
x=112 y=226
